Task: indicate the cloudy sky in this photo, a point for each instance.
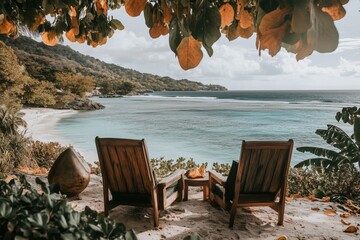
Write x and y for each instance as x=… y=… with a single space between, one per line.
x=237 y=65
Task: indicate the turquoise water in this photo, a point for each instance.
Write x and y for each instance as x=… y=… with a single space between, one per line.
x=208 y=126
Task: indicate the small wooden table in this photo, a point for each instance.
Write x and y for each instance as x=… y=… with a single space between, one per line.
x=197 y=182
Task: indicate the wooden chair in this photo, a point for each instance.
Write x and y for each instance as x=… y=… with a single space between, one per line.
x=259 y=180
x=127 y=173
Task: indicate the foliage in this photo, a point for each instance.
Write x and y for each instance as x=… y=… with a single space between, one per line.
x=27 y=214
x=222 y=168
x=335 y=136
x=109 y=87
x=76 y=84
x=343 y=182
x=163 y=167
x=39 y=94
x=300 y=27
x=10 y=120
x=45 y=154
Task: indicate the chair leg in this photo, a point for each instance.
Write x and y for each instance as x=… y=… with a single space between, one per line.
x=281 y=212
x=106 y=208
x=232 y=215
x=155 y=208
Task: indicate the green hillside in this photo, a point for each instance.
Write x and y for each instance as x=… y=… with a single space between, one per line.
x=46 y=63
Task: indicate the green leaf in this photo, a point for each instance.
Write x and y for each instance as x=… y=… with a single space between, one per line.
x=194 y=236
x=116 y=24
x=148 y=15
x=322 y=152
x=174 y=34
x=43 y=186
x=130 y=235
x=205 y=25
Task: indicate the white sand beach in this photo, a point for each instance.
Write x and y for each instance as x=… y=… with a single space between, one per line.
x=41 y=121
x=304 y=219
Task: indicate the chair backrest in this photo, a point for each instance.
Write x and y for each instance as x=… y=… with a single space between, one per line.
x=125 y=165
x=262 y=169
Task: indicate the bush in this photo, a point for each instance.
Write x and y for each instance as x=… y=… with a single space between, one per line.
x=13 y=150
x=45 y=154
x=164 y=167
x=27 y=214
x=343 y=182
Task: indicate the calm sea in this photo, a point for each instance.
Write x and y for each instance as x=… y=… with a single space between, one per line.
x=208 y=126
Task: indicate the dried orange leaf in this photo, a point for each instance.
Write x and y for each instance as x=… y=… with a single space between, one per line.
x=325 y=199
x=155 y=30
x=295 y=196
x=272 y=39
x=273 y=19
x=315 y=209
x=101 y=7
x=344 y=222
x=227 y=14
x=345 y=215
x=166 y=11
x=5 y=26
x=232 y=32
x=189 y=53
x=246 y=19
x=50 y=38
x=247 y=32
x=336 y=11
x=38 y=21
x=330 y=212
x=70 y=35
x=351 y=229
x=135 y=7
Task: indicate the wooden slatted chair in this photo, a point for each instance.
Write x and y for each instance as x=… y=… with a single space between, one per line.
x=127 y=173
x=259 y=180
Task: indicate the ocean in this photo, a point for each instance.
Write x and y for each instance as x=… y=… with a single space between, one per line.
x=208 y=126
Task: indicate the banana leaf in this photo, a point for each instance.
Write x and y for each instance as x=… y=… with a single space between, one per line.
x=322 y=152
x=322 y=163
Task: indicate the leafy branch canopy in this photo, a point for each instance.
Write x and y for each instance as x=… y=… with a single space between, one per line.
x=299 y=26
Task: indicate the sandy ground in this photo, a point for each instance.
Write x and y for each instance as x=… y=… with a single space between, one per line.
x=195 y=215
x=41 y=122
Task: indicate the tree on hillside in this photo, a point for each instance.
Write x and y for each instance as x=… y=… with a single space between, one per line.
x=300 y=26
x=76 y=84
x=39 y=94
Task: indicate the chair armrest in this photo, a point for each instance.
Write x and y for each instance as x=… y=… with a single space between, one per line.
x=172 y=178
x=217 y=177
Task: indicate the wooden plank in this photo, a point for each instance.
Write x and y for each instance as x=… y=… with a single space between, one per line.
x=262 y=171
x=145 y=172
x=126 y=169
x=278 y=175
x=134 y=168
x=109 y=169
x=115 y=162
x=269 y=172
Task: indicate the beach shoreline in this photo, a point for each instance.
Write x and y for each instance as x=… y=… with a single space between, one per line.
x=41 y=122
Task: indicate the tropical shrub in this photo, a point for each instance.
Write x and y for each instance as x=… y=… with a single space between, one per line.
x=45 y=154
x=343 y=182
x=27 y=214
x=163 y=167
x=10 y=120
x=349 y=146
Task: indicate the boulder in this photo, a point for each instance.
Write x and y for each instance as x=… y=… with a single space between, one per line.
x=84 y=104
x=71 y=172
